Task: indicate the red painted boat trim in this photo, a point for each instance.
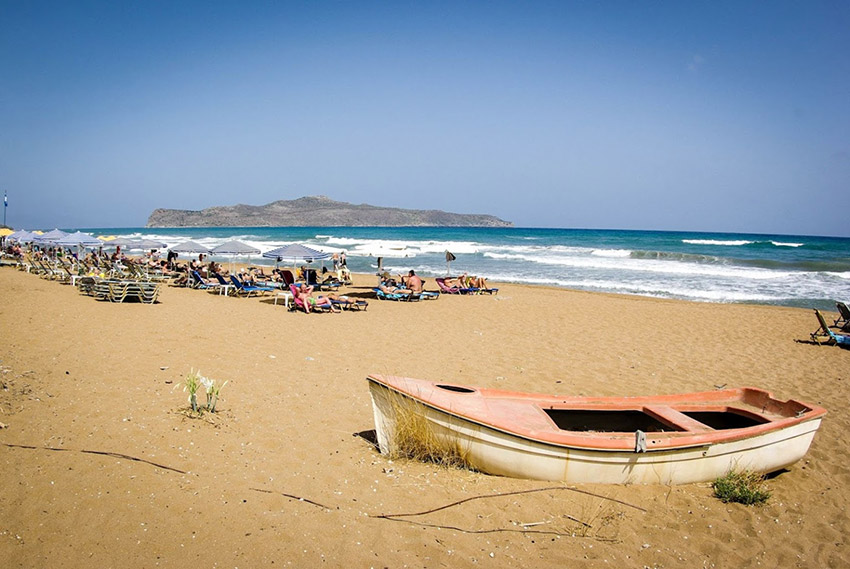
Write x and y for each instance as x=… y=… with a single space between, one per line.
x=523 y=414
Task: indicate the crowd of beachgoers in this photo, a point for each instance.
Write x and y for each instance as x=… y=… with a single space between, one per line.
x=310 y=289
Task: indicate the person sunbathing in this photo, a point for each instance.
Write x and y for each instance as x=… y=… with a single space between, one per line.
x=345 y=300
x=310 y=302
x=391 y=287
x=470 y=281
x=247 y=278
x=413 y=282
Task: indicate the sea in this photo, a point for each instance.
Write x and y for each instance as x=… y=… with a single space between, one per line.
x=786 y=270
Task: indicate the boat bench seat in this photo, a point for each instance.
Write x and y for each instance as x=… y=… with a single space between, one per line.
x=676 y=419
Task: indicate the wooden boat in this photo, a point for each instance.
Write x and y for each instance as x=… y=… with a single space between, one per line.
x=666 y=439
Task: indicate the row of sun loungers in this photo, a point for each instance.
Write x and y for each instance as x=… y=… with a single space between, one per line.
x=119 y=291
x=406 y=296
x=120 y=283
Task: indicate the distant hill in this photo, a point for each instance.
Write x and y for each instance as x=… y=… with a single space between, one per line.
x=317 y=211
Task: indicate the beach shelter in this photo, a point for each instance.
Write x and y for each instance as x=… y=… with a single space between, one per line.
x=190 y=247
x=144 y=245
x=233 y=249
x=50 y=237
x=118 y=242
x=296 y=252
x=21 y=236
x=79 y=240
x=5 y=231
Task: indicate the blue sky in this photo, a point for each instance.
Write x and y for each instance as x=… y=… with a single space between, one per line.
x=707 y=116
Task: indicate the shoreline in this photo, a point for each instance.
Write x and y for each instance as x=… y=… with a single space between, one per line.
x=802 y=271
x=285 y=471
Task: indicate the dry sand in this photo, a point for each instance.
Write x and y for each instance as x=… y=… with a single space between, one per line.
x=280 y=476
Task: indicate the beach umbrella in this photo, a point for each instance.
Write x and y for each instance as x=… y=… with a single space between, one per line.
x=144 y=244
x=190 y=247
x=297 y=253
x=79 y=239
x=50 y=236
x=5 y=231
x=21 y=236
x=449 y=258
x=119 y=242
x=233 y=249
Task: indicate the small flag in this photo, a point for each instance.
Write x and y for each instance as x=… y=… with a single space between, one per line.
x=5 y=200
x=450 y=257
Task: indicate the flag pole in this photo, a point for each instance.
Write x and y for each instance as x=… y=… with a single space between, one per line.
x=5 y=205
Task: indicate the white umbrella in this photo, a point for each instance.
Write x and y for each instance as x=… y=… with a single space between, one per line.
x=144 y=244
x=190 y=247
x=296 y=252
x=79 y=240
x=50 y=236
x=21 y=236
x=233 y=249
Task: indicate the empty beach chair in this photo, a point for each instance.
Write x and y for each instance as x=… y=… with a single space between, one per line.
x=843 y=320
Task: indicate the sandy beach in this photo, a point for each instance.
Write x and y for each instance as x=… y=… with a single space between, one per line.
x=102 y=467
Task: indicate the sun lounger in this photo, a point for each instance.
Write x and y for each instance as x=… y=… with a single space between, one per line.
x=201 y=283
x=401 y=296
x=843 y=320
x=351 y=304
x=312 y=279
x=248 y=290
x=824 y=335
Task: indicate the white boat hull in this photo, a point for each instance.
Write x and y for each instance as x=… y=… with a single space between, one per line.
x=501 y=453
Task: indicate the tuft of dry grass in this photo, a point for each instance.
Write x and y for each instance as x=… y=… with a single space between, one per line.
x=414 y=437
x=744 y=487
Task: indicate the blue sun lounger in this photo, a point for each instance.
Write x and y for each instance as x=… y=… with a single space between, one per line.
x=405 y=297
x=247 y=290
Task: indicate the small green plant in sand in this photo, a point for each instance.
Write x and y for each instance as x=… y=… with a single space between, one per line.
x=414 y=438
x=213 y=391
x=194 y=381
x=745 y=486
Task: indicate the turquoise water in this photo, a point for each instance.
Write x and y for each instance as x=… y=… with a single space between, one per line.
x=789 y=270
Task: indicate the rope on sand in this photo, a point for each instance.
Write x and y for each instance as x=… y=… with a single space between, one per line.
x=100 y=452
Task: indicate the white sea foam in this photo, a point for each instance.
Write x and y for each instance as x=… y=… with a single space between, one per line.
x=646 y=266
x=781 y=244
x=732 y=243
x=615 y=253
